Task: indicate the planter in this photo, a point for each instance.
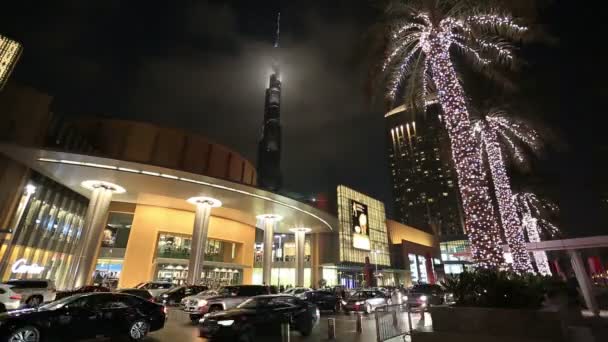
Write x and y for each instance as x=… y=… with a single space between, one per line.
x=472 y=324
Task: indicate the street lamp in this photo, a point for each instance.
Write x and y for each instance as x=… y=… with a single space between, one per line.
x=282 y=257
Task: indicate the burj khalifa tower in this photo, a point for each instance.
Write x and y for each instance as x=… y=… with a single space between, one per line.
x=269 y=145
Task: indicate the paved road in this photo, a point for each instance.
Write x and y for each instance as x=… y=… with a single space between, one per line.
x=180 y=329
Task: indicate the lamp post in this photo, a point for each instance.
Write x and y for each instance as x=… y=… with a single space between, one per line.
x=280 y=237
x=375 y=253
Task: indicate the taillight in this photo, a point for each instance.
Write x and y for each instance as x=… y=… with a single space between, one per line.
x=15 y=296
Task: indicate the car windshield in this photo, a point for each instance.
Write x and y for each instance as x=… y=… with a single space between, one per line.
x=227 y=291
x=253 y=303
x=207 y=293
x=425 y=288
x=363 y=294
x=58 y=304
x=176 y=289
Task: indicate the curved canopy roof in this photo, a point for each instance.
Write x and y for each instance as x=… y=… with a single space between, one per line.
x=158 y=186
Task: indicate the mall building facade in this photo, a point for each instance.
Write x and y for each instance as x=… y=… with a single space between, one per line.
x=119 y=203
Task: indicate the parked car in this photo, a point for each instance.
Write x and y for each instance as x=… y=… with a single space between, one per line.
x=33 y=291
x=258 y=317
x=297 y=291
x=141 y=293
x=83 y=289
x=323 y=299
x=365 y=300
x=176 y=294
x=193 y=302
x=227 y=297
x=84 y=316
x=9 y=299
x=156 y=288
x=421 y=296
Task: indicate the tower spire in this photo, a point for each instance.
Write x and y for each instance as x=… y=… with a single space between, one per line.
x=276 y=38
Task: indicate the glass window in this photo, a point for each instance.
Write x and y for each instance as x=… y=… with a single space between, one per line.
x=47 y=221
x=413 y=268
x=118 y=228
x=422 y=269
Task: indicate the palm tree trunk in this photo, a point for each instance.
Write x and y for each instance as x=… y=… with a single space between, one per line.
x=540 y=258
x=506 y=207
x=481 y=224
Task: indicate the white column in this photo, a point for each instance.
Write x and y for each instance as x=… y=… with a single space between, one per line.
x=199 y=236
x=300 y=237
x=270 y=223
x=583 y=281
x=83 y=259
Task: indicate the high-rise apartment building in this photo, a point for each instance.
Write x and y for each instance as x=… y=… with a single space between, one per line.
x=10 y=51
x=269 y=146
x=424 y=183
x=425 y=189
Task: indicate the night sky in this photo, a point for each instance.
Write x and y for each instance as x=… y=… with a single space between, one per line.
x=203 y=66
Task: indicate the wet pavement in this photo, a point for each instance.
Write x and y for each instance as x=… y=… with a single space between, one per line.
x=180 y=329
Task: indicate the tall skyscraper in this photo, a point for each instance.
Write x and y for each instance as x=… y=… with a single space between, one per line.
x=269 y=146
x=425 y=189
x=10 y=51
x=424 y=184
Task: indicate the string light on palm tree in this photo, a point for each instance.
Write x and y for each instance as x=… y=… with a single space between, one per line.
x=420 y=43
x=489 y=129
x=534 y=214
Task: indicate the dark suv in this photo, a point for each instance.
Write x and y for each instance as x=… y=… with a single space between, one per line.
x=227 y=297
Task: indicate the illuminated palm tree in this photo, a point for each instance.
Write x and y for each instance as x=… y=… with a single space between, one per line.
x=424 y=37
x=534 y=213
x=497 y=133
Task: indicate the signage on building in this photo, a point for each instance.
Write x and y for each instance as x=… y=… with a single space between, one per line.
x=21 y=267
x=360 y=226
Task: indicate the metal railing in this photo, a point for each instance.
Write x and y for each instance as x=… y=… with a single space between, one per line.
x=392 y=321
x=397 y=320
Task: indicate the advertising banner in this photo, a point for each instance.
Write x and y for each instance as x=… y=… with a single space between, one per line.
x=360 y=227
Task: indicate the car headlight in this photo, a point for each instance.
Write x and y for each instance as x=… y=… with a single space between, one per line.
x=343 y=302
x=359 y=303
x=424 y=298
x=165 y=295
x=202 y=302
x=404 y=297
x=226 y=322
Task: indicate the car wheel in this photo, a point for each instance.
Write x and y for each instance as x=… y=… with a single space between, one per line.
x=195 y=318
x=138 y=330
x=34 y=301
x=305 y=327
x=25 y=334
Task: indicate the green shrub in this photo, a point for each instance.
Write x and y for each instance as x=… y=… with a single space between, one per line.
x=501 y=289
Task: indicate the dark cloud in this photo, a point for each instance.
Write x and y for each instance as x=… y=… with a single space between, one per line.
x=204 y=65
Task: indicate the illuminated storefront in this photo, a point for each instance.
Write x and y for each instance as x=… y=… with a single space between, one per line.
x=361 y=242
x=147 y=230
x=456 y=255
x=47 y=222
